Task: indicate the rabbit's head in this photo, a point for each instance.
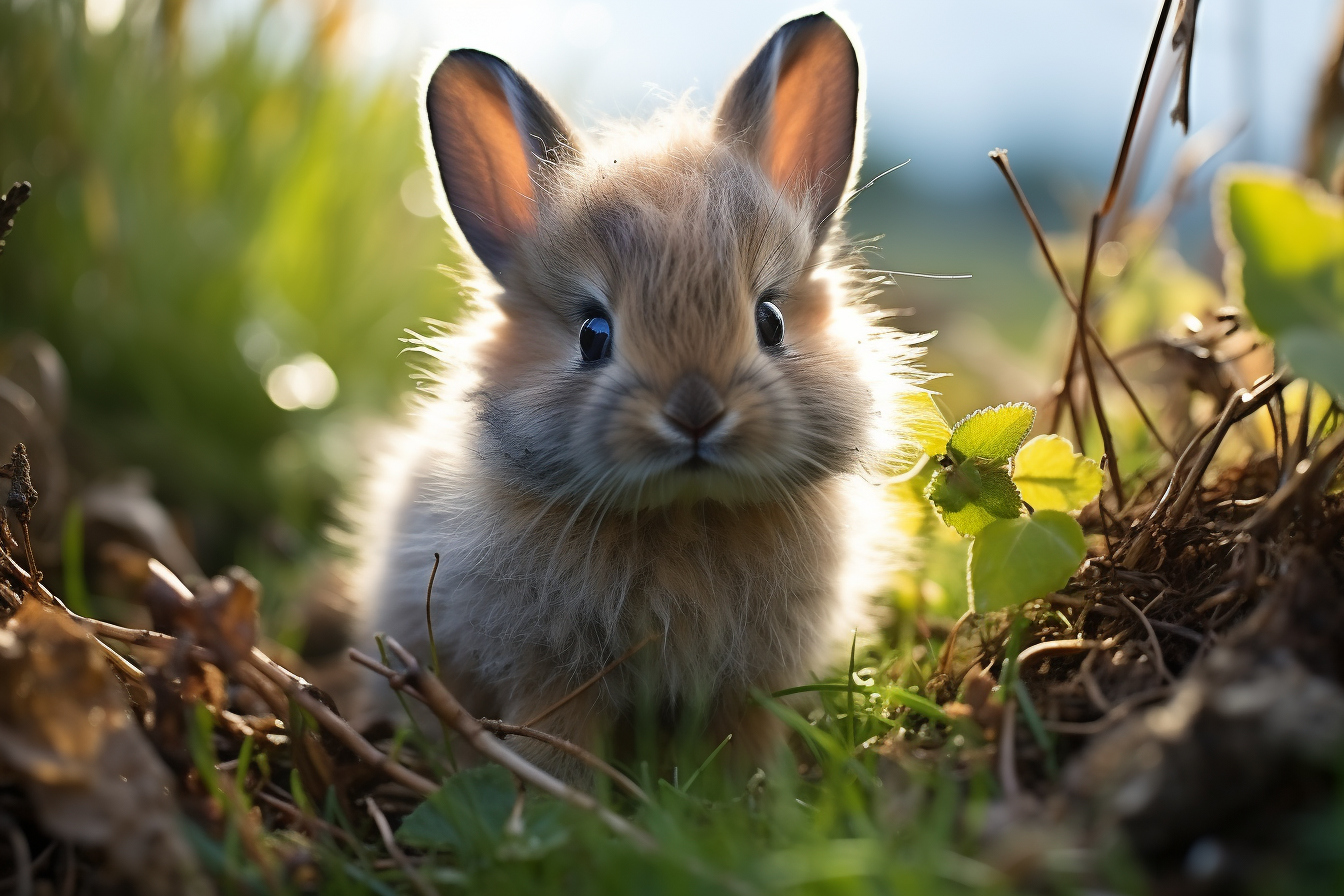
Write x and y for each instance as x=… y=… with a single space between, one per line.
x=671 y=317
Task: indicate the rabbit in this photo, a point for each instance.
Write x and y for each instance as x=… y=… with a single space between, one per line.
x=666 y=417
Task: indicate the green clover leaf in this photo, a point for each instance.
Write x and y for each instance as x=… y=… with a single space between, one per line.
x=993 y=434
x=925 y=422
x=969 y=498
x=1284 y=239
x=1052 y=477
x=975 y=486
x=1014 y=561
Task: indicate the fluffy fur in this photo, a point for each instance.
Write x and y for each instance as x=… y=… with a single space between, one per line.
x=573 y=518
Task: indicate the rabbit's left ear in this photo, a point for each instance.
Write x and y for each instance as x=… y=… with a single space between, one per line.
x=796 y=108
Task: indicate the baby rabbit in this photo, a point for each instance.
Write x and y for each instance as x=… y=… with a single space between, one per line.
x=666 y=412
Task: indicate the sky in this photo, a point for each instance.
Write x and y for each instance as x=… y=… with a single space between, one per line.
x=947 y=81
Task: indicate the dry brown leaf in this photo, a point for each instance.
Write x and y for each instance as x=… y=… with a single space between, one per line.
x=230 y=617
x=94 y=780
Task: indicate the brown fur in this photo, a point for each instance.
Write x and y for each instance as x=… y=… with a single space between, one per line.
x=574 y=518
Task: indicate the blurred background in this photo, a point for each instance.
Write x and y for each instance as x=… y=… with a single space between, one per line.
x=231 y=226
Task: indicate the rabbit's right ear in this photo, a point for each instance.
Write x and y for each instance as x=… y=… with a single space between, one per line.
x=796 y=108
x=491 y=130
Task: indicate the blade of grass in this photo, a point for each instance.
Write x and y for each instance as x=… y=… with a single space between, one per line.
x=1037 y=728
x=695 y=774
x=849 y=684
x=72 y=561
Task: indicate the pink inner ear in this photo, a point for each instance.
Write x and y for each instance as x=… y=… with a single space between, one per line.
x=487 y=174
x=811 y=138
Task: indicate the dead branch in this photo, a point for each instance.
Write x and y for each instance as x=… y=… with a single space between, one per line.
x=1050 y=648
x=949 y=646
x=1158 y=659
x=1000 y=157
x=1305 y=478
x=398 y=682
x=1116 y=714
x=573 y=749
x=444 y=705
x=592 y=681
x=297 y=690
x=393 y=850
x=1183 y=41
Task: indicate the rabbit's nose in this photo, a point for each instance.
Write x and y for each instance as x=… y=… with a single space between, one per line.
x=694 y=405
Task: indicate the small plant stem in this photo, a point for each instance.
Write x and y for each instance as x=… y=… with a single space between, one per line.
x=1113 y=467
x=1321 y=466
x=442 y=702
x=397 y=681
x=34 y=586
x=312 y=822
x=297 y=690
x=949 y=646
x=849 y=688
x=1158 y=659
x=1007 y=761
x=1050 y=648
x=592 y=681
x=1113 y=715
x=421 y=885
x=1241 y=404
x=1000 y=157
x=572 y=749
x=429 y=617
x=1123 y=158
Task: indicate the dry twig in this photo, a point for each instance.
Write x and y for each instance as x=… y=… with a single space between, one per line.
x=444 y=705
x=393 y=850
x=592 y=681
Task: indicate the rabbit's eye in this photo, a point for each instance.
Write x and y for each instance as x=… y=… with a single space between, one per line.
x=769 y=324
x=595 y=339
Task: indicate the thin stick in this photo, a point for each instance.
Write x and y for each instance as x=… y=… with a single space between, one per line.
x=444 y=705
x=393 y=850
x=1112 y=468
x=312 y=822
x=1238 y=407
x=1152 y=638
x=429 y=618
x=1116 y=713
x=1301 y=443
x=592 y=681
x=297 y=690
x=1007 y=764
x=1327 y=456
x=573 y=749
x=1050 y=648
x=1090 y=685
x=949 y=645
x=1000 y=157
x=398 y=682
x=262 y=687
x=35 y=586
x=1125 y=144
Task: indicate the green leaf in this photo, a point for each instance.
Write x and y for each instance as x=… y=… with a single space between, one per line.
x=969 y=497
x=924 y=422
x=1014 y=561
x=1284 y=239
x=1052 y=477
x=1317 y=355
x=467 y=815
x=992 y=434
x=922 y=705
